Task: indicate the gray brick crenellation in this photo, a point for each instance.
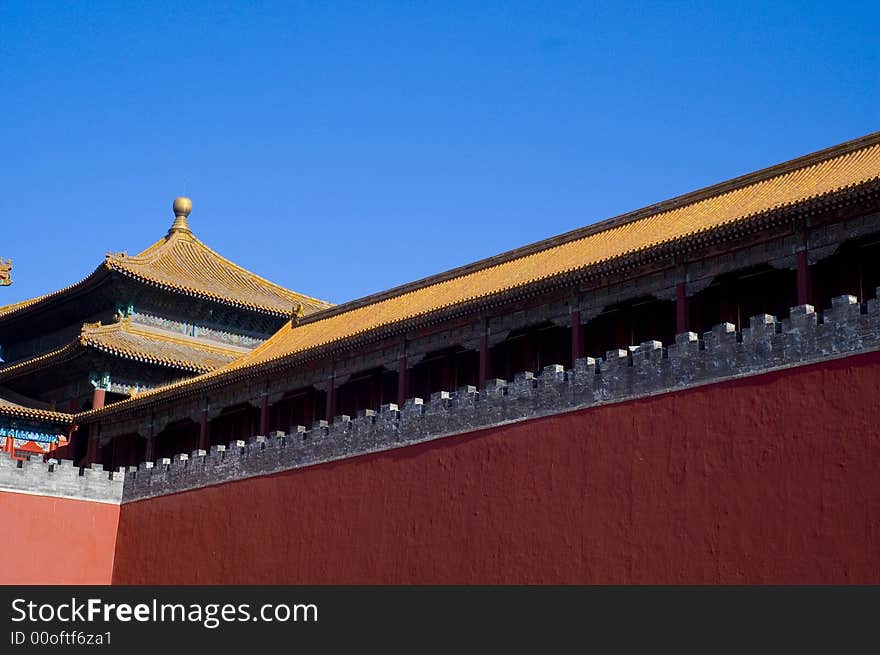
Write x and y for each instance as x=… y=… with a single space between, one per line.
x=768 y=344
x=60 y=479
x=806 y=337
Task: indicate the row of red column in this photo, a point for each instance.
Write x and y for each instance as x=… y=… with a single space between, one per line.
x=682 y=324
x=804 y=292
x=204 y=435
x=682 y=321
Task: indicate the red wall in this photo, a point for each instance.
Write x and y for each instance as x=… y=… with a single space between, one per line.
x=56 y=540
x=770 y=479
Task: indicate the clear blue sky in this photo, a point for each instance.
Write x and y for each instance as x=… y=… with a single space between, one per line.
x=343 y=148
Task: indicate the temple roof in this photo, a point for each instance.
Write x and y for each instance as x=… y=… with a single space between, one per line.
x=156 y=346
x=137 y=343
x=12 y=409
x=181 y=263
x=736 y=202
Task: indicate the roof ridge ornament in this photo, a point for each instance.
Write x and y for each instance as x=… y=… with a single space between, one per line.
x=297 y=314
x=182 y=207
x=5 y=272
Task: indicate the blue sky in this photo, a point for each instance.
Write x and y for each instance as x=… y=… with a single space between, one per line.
x=343 y=148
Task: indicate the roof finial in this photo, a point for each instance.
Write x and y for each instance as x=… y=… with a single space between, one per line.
x=182 y=207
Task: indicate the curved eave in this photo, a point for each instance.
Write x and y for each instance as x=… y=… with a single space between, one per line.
x=619 y=264
x=18 y=310
x=144 y=358
x=82 y=345
x=605 y=225
x=60 y=355
x=19 y=411
x=197 y=293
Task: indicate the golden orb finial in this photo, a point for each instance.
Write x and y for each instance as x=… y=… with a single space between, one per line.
x=182 y=207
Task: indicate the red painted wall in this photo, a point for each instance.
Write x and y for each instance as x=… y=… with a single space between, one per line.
x=770 y=479
x=56 y=540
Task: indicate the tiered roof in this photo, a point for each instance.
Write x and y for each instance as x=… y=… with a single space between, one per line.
x=134 y=342
x=155 y=346
x=730 y=208
x=181 y=263
x=12 y=409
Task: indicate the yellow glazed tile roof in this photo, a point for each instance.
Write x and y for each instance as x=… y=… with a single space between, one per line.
x=18 y=305
x=814 y=176
x=737 y=204
x=15 y=410
x=138 y=343
x=155 y=346
x=183 y=263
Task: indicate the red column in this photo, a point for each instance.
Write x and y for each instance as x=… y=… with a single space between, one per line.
x=724 y=301
x=402 y=379
x=622 y=331
x=150 y=450
x=577 y=336
x=804 y=279
x=331 y=401
x=264 y=415
x=204 y=438
x=484 y=359
x=92 y=451
x=447 y=374
x=530 y=359
x=374 y=391
x=98 y=397
x=682 y=322
x=309 y=408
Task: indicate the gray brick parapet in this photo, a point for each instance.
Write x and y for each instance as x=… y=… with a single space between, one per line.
x=60 y=479
x=767 y=344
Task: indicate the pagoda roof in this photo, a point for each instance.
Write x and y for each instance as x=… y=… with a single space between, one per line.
x=728 y=208
x=11 y=405
x=181 y=263
x=134 y=342
x=157 y=346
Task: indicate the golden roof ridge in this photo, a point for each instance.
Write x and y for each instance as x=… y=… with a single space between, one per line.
x=90 y=336
x=15 y=308
x=125 y=324
x=169 y=247
x=166 y=247
x=677 y=202
x=16 y=410
x=845 y=167
x=63 y=353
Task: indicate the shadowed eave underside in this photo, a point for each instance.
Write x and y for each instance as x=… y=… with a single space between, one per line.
x=136 y=343
x=14 y=410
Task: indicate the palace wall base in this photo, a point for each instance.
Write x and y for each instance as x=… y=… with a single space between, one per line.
x=50 y=540
x=763 y=479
